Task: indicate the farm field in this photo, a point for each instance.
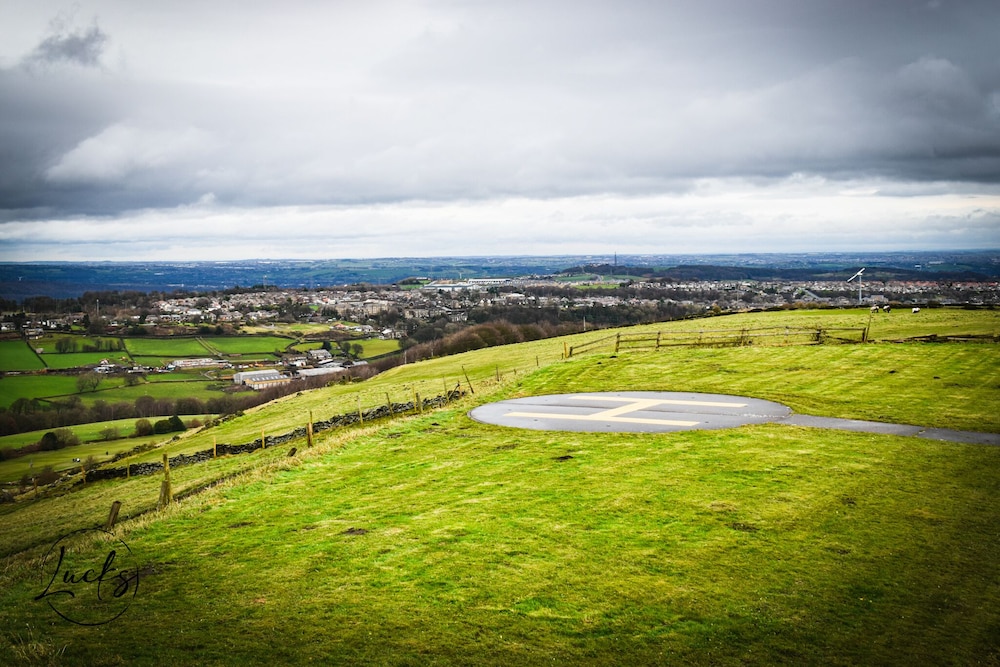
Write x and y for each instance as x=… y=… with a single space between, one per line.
x=91 y=444
x=78 y=359
x=201 y=388
x=171 y=348
x=14 y=387
x=375 y=347
x=228 y=345
x=15 y=355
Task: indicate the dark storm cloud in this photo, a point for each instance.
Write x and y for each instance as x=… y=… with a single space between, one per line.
x=67 y=44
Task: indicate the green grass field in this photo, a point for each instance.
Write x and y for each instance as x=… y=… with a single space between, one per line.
x=15 y=355
x=13 y=387
x=434 y=539
x=228 y=345
x=375 y=347
x=78 y=359
x=173 y=348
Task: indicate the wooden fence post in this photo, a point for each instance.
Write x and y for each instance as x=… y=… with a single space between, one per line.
x=215 y=447
x=388 y=402
x=263 y=442
x=361 y=415
x=420 y=404
x=166 y=492
x=467 y=381
x=618 y=341
x=113 y=515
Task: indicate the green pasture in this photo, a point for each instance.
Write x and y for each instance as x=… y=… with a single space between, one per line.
x=202 y=389
x=86 y=433
x=80 y=359
x=434 y=539
x=376 y=347
x=228 y=345
x=293 y=330
x=62 y=459
x=47 y=342
x=171 y=348
x=305 y=347
x=111 y=389
x=13 y=387
x=91 y=444
x=15 y=355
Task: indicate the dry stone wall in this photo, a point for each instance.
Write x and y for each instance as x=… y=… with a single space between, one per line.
x=223 y=449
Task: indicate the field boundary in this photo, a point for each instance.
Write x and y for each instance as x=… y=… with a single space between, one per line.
x=266 y=441
x=770 y=336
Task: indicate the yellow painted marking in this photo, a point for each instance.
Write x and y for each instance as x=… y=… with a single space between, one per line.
x=601 y=416
x=666 y=401
x=631 y=405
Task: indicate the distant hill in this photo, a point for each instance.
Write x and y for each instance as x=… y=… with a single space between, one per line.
x=711 y=272
x=71 y=279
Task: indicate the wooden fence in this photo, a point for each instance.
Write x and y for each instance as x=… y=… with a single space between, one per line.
x=769 y=336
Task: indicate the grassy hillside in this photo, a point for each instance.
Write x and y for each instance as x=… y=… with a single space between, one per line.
x=432 y=538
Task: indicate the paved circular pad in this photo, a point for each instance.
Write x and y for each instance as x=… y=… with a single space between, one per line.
x=630 y=411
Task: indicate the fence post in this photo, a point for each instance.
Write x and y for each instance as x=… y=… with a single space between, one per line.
x=215 y=447
x=417 y=402
x=567 y=351
x=361 y=415
x=263 y=441
x=658 y=334
x=618 y=341
x=467 y=381
x=388 y=402
x=83 y=473
x=166 y=493
x=113 y=515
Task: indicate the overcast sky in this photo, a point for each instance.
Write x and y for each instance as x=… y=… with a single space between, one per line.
x=227 y=129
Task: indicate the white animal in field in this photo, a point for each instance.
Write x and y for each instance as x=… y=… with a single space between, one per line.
x=916 y=310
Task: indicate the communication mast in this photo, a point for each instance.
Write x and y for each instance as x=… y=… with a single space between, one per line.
x=858 y=276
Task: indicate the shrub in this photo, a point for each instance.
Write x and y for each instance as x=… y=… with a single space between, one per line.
x=143 y=427
x=46 y=476
x=58 y=439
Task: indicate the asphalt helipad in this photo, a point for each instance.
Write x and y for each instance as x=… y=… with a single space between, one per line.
x=658 y=412
x=630 y=411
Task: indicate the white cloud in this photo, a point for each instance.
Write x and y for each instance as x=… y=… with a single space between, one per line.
x=717 y=215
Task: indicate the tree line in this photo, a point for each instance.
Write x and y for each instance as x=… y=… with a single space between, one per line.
x=26 y=414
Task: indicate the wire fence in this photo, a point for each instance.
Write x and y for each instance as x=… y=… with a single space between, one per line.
x=765 y=336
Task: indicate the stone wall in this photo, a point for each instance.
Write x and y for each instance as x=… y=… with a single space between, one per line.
x=222 y=449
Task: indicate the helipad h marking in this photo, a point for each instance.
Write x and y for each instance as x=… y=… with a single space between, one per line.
x=665 y=401
x=631 y=405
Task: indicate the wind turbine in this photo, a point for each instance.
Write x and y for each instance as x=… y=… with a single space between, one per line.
x=858 y=276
